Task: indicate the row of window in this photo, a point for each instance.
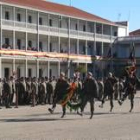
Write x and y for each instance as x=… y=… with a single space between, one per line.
x=7 y=72
x=30 y=20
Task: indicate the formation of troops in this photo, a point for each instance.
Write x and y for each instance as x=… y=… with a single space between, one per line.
x=33 y=91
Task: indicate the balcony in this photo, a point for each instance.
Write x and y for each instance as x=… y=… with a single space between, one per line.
x=47 y=30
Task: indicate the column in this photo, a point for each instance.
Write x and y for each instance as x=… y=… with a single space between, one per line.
x=38 y=31
x=59 y=43
x=48 y=69
x=26 y=39
x=14 y=36
x=77 y=46
x=58 y=69
x=37 y=68
x=48 y=49
x=14 y=15
x=26 y=17
x=26 y=68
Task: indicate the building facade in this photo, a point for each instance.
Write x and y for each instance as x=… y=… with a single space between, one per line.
x=39 y=38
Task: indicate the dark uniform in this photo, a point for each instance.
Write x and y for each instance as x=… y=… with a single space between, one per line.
x=61 y=90
x=130 y=90
x=90 y=91
x=6 y=95
x=109 y=90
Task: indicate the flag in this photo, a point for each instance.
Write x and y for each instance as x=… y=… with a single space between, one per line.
x=132 y=53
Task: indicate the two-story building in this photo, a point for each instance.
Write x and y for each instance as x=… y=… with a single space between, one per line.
x=40 y=38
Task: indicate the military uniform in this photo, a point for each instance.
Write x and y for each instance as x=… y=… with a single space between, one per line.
x=61 y=89
x=130 y=90
x=90 y=91
x=109 y=90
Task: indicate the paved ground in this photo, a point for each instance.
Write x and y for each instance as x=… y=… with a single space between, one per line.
x=28 y=123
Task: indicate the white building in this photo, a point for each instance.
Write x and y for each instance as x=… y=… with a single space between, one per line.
x=39 y=38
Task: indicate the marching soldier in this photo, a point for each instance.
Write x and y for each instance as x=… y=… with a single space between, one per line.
x=90 y=91
x=49 y=91
x=130 y=90
x=109 y=90
x=61 y=89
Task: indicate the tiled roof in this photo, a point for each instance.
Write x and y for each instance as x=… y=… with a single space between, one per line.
x=57 y=8
x=135 y=33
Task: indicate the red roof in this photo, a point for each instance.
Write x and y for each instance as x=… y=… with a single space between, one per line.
x=57 y=8
x=135 y=33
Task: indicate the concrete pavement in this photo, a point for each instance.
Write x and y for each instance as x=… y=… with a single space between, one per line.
x=35 y=123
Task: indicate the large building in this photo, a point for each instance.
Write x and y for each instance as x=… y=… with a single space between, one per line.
x=39 y=38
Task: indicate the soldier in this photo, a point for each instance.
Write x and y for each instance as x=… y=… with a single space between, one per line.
x=101 y=89
x=43 y=91
x=22 y=91
x=12 y=89
x=130 y=90
x=34 y=91
x=109 y=90
x=28 y=91
x=61 y=89
x=7 y=92
x=49 y=90
x=90 y=91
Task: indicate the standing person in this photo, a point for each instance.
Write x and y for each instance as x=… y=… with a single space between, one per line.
x=7 y=92
x=109 y=90
x=11 y=84
x=61 y=89
x=43 y=91
x=90 y=91
x=49 y=91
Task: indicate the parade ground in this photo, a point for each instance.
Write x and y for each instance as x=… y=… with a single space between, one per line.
x=36 y=123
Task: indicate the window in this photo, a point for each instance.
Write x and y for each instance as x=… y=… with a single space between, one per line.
x=84 y=28
x=40 y=73
x=7 y=41
x=7 y=16
x=115 y=33
x=18 y=72
x=50 y=72
x=18 y=17
x=29 y=72
x=40 y=21
x=6 y=72
x=30 y=19
x=50 y=47
x=76 y=27
x=19 y=43
x=50 y=22
x=40 y=46
x=29 y=43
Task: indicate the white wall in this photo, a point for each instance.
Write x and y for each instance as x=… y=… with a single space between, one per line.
x=122 y=31
x=9 y=9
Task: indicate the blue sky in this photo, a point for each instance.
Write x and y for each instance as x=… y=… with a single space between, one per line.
x=113 y=10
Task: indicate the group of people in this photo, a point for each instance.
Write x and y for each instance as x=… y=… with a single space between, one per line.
x=25 y=91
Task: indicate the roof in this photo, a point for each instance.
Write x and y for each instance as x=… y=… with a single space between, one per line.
x=135 y=33
x=57 y=8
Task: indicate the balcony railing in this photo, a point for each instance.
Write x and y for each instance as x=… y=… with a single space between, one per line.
x=55 y=30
